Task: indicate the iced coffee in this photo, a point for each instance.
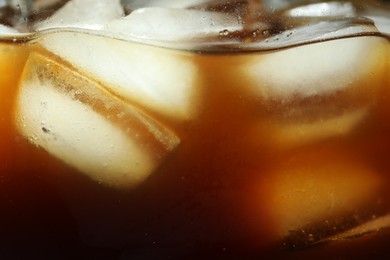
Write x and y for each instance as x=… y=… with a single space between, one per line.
x=194 y=130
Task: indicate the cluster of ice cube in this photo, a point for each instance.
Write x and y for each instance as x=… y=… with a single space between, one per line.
x=59 y=115
x=165 y=82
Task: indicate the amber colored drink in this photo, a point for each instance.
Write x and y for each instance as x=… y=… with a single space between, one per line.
x=270 y=153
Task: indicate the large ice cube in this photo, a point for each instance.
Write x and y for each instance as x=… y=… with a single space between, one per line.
x=316 y=91
x=159 y=79
x=87 y=14
x=317 y=69
x=78 y=122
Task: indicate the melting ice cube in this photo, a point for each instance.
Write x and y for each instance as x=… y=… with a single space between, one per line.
x=87 y=14
x=159 y=79
x=78 y=122
x=317 y=69
x=316 y=91
x=319 y=90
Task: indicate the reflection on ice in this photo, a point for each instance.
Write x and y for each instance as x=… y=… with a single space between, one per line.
x=87 y=14
x=344 y=9
x=76 y=121
x=169 y=24
x=317 y=69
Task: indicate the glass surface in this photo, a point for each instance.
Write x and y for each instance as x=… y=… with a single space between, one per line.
x=197 y=129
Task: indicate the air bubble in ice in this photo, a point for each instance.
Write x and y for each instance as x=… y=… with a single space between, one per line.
x=224 y=33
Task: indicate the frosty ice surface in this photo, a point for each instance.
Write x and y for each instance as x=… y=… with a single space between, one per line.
x=77 y=14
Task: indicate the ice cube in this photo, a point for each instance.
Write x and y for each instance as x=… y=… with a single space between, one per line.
x=170 y=24
x=317 y=69
x=76 y=121
x=87 y=14
x=317 y=189
x=159 y=79
x=316 y=91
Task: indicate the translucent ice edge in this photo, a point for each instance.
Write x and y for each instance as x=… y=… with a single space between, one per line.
x=375 y=225
x=309 y=33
